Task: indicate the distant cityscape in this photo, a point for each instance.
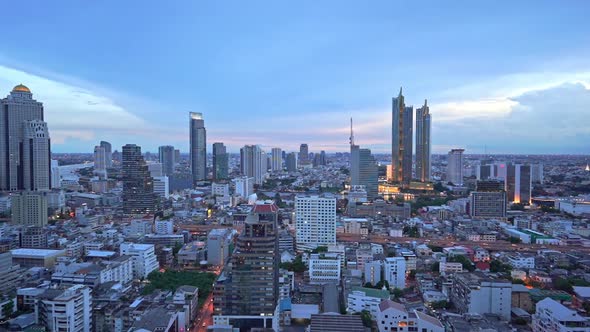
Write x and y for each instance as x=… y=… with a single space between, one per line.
x=120 y=239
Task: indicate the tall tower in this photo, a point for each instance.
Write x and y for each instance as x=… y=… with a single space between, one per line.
x=16 y=110
x=277 y=160
x=401 y=140
x=253 y=162
x=108 y=151
x=455 y=167
x=100 y=161
x=138 y=185
x=303 y=154
x=198 y=146
x=220 y=161
x=518 y=183
x=291 y=162
x=36 y=156
x=423 y=167
x=166 y=158
x=363 y=168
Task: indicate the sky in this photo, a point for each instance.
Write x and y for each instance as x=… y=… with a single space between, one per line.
x=500 y=77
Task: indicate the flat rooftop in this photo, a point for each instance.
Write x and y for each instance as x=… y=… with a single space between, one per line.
x=30 y=252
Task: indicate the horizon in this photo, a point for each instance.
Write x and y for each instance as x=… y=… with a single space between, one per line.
x=513 y=82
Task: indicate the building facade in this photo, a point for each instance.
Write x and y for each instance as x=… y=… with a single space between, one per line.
x=455 y=167
x=423 y=121
x=220 y=162
x=315 y=221
x=166 y=158
x=198 y=146
x=29 y=208
x=138 y=185
x=401 y=140
x=276 y=160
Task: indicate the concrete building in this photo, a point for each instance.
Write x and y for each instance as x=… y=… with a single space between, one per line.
x=276 y=160
x=166 y=158
x=291 y=162
x=315 y=221
x=552 y=316
x=364 y=171
x=9 y=273
x=100 y=162
x=393 y=316
x=249 y=285
x=373 y=272
x=218 y=246
x=360 y=299
x=164 y=227
x=324 y=269
x=394 y=270
x=108 y=150
x=198 y=146
x=138 y=185
x=455 y=167
x=220 y=191
x=161 y=186
x=488 y=200
x=401 y=140
x=144 y=258
x=253 y=163
x=29 y=208
x=220 y=162
x=476 y=293
x=303 y=154
x=537 y=175
x=28 y=258
x=21 y=117
x=423 y=121
x=55 y=176
x=519 y=261
x=518 y=183
x=68 y=309
x=244 y=186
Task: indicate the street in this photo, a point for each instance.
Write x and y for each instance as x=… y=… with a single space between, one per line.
x=205 y=316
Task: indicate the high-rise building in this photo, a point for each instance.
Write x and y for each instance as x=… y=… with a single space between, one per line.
x=100 y=162
x=253 y=163
x=29 y=208
x=276 y=160
x=364 y=171
x=244 y=186
x=220 y=162
x=55 y=175
x=291 y=162
x=303 y=154
x=488 y=200
x=249 y=284
x=401 y=140
x=68 y=309
x=161 y=186
x=455 y=167
x=218 y=245
x=198 y=146
x=323 y=161
x=537 y=173
x=518 y=183
x=36 y=156
x=315 y=221
x=138 y=185
x=108 y=151
x=176 y=156
x=166 y=158
x=21 y=119
x=423 y=122
x=394 y=270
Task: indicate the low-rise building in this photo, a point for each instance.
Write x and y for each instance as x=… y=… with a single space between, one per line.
x=361 y=298
x=393 y=316
x=324 y=268
x=144 y=258
x=552 y=316
x=476 y=293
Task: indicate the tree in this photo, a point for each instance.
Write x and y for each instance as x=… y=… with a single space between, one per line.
x=366 y=318
x=497 y=266
x=467 y=264
x=514 y=239
x=7 y=309
x=435 y=267
x=411 y=231
x=382 y=283
x=437 y=305
x=368 y=285
x=397 y=293
x=319 y=249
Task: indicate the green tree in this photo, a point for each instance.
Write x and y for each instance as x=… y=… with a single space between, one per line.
x=382 y=283
x=437 y=305
x=435 y=267
x=7 y=309
x=366 y=318
x=320 y=249
x=497 y=266
x=514 y=239
x=397 y=293
x=467 y=264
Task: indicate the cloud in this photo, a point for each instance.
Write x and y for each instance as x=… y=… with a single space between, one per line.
x=73 y=112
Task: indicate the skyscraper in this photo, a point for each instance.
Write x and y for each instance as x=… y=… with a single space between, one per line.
x=138 y=185
x=315 y=221
x=303 y=154
x=488 y=200
x=36 y=156
x=220 y=162
x=291 y=162
x=16 y=112
x=100 y=161
x=253 y=162
x=166 y=158
x=249 y=284
x=363 y=168
x=518 y=183
x=455 y=167
x=277 y=160
x=55 y=176
x=401 y=140
x=198 y=147
x=108 y=150
x=423 y=143
x=29 y=208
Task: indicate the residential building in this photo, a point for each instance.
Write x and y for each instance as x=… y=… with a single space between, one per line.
x=244 y=186
x=303 y=154
x=68 y=309
x=291 y=162
x=161 y=186
x=164 y=227
x=166 y=158
x=253 y=163
x=361 y=299
x=276 y=160
x=218 y=246
x=108 y=150
x=100 y=162
x=324 y=268
x=220 y=161
x=315 y=221
x=393 y=316
x=144 y=258
x=21 y=118
x=394 y=270
x=220 y=191
x=138 y=185
x=476 y=293
x=423 y=121
x=55 y=176
x=455 y=167
x=552 y=316
x=29 y=208
x=520 y=261
x=373 y=272
x=198 y=146
x=401 y=140
x=9 y=273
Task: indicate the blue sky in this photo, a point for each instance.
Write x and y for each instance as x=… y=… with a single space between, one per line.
x=512 y=76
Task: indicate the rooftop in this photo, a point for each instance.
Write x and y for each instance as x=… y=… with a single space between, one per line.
x=36 y=252
x=372 y=292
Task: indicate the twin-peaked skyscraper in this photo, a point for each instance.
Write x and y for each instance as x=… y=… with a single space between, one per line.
x=401 y=141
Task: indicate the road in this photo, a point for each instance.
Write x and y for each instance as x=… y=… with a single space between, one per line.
x=205 y=316
x=491 y=246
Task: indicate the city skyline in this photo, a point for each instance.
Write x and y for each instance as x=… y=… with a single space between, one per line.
x=481 y=94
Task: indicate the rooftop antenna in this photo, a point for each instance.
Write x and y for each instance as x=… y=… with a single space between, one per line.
x=351 y=133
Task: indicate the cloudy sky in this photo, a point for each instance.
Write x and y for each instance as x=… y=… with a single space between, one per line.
x=513 y=76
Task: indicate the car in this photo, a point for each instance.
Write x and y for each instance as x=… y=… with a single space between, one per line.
x=204 y=324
